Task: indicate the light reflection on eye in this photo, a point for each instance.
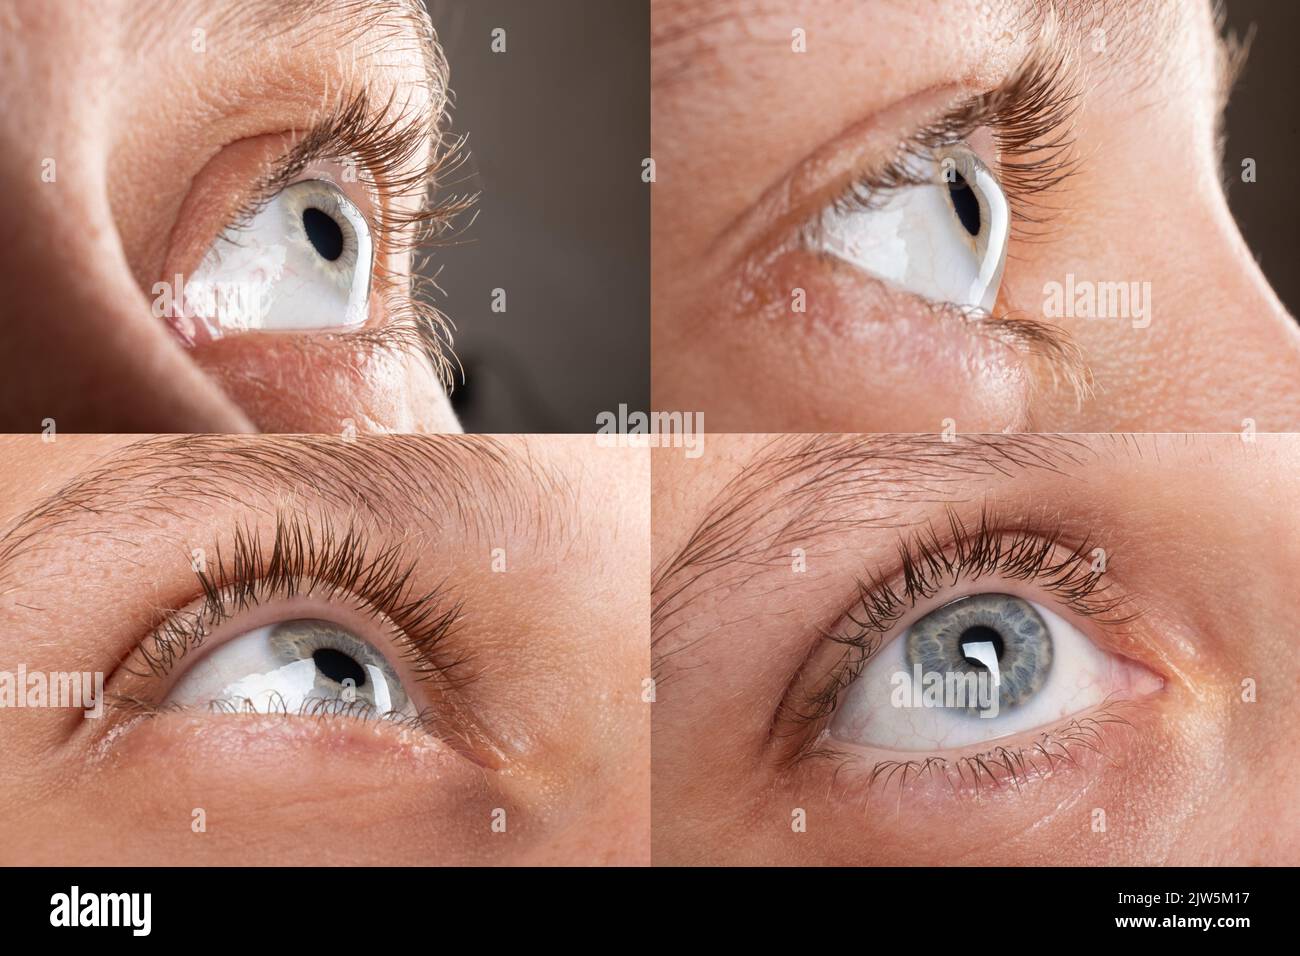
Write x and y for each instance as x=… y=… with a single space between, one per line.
x=302 y=262
x=944 y=239
x=292 y=667
x=979 y=668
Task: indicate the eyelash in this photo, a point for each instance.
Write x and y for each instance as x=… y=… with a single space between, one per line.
x=303 y=561
x=939 y=557
x=386 y=145
x=1000 y=766
x=1029 y=117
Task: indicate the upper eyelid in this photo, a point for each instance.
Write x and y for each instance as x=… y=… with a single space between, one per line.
x=399 y=153
x=301 y=559
x=1030 y=113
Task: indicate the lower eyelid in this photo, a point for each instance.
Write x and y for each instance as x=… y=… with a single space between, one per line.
x=1068 y=753
x=369 y=379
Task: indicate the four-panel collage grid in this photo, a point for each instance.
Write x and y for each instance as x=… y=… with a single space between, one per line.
x=625 y=433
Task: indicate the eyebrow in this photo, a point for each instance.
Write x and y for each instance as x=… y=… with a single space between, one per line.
x=486 y=489
x=401 y=26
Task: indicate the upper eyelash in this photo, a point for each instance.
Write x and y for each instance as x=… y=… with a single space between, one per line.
x=940 y=556
x=1029 y=115
x=386 y=141
x=933 y=558
x=302 y=560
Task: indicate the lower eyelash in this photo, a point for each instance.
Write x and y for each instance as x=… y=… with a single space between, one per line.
x=275 y=706
x=996 y=769
x=429 y=721
x=414 y=326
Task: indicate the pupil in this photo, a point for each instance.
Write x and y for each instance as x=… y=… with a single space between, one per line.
x=324 y=233
x=338 y=666
x=965 y=204
x=980 y=635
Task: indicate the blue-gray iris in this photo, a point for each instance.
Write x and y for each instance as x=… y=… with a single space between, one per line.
x=942 y=643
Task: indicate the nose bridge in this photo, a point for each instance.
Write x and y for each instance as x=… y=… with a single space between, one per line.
x=1211 y=347
x=1263 y=339
x=77 y=333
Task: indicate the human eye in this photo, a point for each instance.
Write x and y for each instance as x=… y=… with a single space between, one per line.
x=972 y=664
x=977 y=647
x=301 y=261
x=938 y=216
x=317 y=253
x=942 y=237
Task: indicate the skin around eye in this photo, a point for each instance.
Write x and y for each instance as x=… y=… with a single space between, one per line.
x=297 y=666
x=303 y=262
x=944 y=239
x=982 y=667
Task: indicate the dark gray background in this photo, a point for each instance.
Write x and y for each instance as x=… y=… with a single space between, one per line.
x=558 y=126
x=1263 y=123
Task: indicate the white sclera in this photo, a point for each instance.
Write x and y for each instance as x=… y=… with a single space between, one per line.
x=915 y=240
x=267 y=274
